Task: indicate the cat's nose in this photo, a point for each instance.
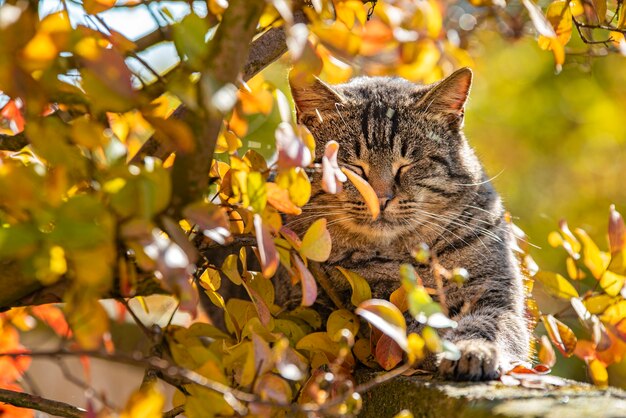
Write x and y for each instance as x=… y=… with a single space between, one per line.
x=384 y=201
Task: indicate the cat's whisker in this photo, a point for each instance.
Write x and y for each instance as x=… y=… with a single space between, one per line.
x=481 y=182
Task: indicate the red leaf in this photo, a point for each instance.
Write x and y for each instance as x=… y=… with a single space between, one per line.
x=388 y=353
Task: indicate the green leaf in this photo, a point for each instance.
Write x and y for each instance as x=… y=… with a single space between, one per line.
x=189 y=36
x=556 y=285
x=316 y=244
x=360 y=288
x=386 y=317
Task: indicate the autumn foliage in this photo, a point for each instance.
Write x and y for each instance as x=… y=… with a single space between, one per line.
x=120 y=181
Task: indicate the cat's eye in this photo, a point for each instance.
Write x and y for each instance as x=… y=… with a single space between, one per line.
x=403 y=169
x=358 y=170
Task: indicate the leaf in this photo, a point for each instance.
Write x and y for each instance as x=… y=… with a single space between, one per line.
x=279 y=198
x=307 y=281
x=388 y=353
x=598 y=303
x=366 y=191
x=212 y=220
x=617 y=230
x=268 y=256
x=146 y=402
x=539 y=21
x=88 y=320
x=416 y=345
x=386 y=317
x=360 y=288
x=399 y=298
x=600 y=8
x=592 y=256
x=257 y=193
x=175 y=133
x=560 y=334
x=612 y=283
x=316 y=243
x=231 y=269
x=339 y=320
x=546 y=352
x=598 y=373
x=556 y=285
x=292 y=152
x=332 y=176
x=614 y=313
x=96 y=6
x=189 y=39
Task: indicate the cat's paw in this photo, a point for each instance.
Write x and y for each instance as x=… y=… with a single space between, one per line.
x=479 y=361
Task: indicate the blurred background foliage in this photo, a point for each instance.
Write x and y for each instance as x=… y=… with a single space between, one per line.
x=549 y=130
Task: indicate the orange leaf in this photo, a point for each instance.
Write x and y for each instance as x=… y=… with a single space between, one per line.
x=279 y=199
x=546 y=352
x=369 y=195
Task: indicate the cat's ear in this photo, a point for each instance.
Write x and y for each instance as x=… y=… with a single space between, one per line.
x=449 y=95
x=313 y=99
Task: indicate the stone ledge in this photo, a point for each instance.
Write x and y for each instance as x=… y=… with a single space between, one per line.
x=430 y=398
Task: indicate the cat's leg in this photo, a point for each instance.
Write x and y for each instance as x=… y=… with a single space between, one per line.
x=489 y=340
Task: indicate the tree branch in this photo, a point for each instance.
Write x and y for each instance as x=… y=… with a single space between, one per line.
x=26 y=400
x=228 y=53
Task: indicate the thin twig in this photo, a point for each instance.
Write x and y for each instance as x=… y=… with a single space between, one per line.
x=26 y=400
x=174 y=412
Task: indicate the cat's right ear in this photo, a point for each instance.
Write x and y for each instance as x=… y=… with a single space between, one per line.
x=313 y=99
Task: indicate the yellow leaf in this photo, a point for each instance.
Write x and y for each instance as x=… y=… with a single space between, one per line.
x=231 y=269
x=416 y=345
x=384 y=315
x=88 y=320
x=614 y=313
x=612 y=283
x=598 y=303
x=595 y=261
x=339 y=320
x=360 y=288
x=366 y=191
x=556 y=285
x=144 y=403
x=600 y=8
x=598 y=373
x=316 y=244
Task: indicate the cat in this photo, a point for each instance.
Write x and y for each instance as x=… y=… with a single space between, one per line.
x=407 y=141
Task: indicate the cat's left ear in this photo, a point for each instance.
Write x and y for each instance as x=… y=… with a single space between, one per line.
x=449 y=95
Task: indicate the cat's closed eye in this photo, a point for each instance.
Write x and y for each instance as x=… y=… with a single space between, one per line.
x=358 y=169
x=402 y=170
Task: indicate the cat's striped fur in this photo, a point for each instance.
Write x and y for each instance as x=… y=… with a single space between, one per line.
x=407 y=141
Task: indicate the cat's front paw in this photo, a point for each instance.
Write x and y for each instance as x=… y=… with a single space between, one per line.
x=479 y=361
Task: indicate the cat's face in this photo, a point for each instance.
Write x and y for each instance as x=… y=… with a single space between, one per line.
x=404 y=139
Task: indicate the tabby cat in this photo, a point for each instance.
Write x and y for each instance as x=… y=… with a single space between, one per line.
x=406 y=140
